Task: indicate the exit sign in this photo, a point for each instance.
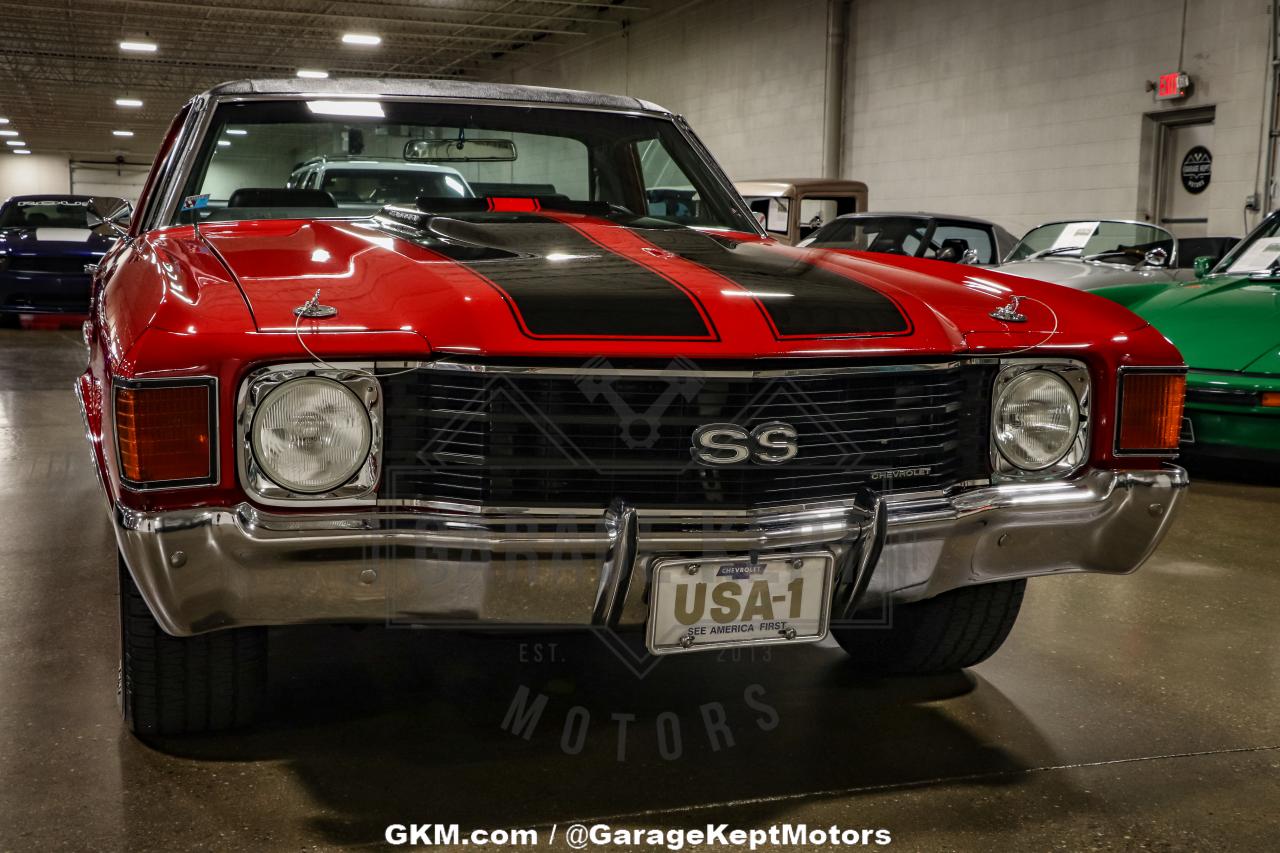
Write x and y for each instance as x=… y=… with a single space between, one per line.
x=1176 y=84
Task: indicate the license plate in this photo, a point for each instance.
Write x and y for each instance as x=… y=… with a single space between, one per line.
x=735 y=601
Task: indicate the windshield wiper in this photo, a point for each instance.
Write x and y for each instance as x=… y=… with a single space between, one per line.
x=1044 y=253
x=1114 y=252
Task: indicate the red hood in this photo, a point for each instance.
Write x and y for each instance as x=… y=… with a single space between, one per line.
x=569 y=285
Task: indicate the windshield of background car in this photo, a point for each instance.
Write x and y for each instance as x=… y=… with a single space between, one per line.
x=906 y=235
x=1259 y=252
x=893 y=235
x=616 y=162
x=1117 y=242
x=20 y=213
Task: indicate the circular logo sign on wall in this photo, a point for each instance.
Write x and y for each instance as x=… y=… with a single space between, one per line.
x=1197 y=166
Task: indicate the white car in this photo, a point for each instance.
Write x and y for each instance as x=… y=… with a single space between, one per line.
x=378 y=180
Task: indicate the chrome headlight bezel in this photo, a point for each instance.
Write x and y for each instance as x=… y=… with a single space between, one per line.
x=1076 y=375
x=358 y=490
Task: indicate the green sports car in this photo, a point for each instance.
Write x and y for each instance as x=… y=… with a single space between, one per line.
x=1227 y=324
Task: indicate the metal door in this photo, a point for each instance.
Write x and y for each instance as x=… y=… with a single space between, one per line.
x=1186 y=171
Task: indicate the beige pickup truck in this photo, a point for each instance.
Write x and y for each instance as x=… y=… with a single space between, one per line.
x=790 y=209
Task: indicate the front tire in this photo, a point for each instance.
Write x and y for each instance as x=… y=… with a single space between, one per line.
x=183 y=685
x=955 y=630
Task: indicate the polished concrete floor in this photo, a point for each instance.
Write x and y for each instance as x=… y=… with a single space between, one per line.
x=1123 y=713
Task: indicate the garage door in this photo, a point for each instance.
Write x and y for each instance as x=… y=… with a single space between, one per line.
x=122 y=180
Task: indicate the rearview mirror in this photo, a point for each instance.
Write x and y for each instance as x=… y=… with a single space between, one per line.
x=1203 y=264
x=111 y=212
x=460 y=150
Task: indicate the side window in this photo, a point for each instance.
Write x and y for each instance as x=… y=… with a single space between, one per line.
x=950 y=242
x=770 y=212
x=669 y=194
x=814 y=213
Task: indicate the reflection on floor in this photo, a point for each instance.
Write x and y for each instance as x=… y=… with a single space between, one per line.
x=1122 y=712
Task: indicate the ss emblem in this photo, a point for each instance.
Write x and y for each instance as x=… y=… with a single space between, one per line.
x=729 y=444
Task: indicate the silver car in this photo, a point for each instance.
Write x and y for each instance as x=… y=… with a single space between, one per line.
x=1086 y=254
x=959 y=239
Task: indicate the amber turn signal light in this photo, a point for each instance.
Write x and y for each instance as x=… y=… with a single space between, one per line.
x=1271 y=399
x=164 y=433
x=1150 y=411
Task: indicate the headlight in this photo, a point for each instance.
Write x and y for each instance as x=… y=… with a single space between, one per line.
x=1036 y=420
x=311 y=435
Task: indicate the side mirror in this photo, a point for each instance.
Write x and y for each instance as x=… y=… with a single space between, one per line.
x=1156 y=258
x=970 y=256
x=111 y=212
x=1203 y=264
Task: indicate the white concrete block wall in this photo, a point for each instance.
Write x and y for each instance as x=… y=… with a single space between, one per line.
x=747 y=75
x=1017 y=110
x=30 y=174
x=1024 y=111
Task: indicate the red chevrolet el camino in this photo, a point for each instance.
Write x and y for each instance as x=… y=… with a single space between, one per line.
x=438 y=353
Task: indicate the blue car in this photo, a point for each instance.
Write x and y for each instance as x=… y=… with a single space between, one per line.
x=45 y=244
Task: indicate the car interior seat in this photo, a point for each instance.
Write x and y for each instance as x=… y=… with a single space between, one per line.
x=952 y=249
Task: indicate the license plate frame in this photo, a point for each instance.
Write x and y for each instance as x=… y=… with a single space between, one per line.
x=670 y=572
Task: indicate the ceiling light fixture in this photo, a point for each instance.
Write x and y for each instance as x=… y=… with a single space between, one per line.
x=16 y=143
x=365 y=109
x=128 y=102
x=4 y=121
x=312 y=73
x=364 y=39
x=222 y=143
x=8 y=133
x=138 y=46
x=122 y=133
x=235 y=131
x=21 y=151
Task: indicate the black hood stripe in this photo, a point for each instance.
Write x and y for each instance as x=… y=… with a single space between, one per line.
x=561 y=285
x=801 y=293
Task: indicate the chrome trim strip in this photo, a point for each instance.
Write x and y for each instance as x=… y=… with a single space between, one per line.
x=177 y=166
x=445 y=364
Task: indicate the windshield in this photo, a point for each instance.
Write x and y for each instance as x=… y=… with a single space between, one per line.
x=893 y=235
x=1259 y=252
x=1114 y=242
x=941 y=239
x=285 y=159
x=44 y=213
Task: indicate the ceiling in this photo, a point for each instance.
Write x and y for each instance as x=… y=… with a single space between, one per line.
x=62 y=67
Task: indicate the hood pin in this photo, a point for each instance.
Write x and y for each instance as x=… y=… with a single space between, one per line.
x=1008 y=313
x=313 y=310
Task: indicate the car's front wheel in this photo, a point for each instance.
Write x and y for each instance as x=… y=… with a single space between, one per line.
x=949 y=632
x=181 y=685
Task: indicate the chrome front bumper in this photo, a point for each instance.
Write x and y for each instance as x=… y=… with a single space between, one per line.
x=205 y=569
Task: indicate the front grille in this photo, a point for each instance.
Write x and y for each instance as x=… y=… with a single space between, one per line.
x=45 y=264
x=537 y=439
